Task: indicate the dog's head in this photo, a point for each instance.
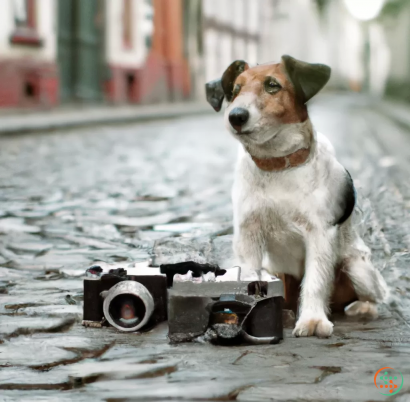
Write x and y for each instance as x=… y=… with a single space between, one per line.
x=262 y=99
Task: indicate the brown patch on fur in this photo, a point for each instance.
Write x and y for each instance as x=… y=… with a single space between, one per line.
x=284 y=106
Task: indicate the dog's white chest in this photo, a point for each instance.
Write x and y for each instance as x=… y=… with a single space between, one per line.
x=278 y=210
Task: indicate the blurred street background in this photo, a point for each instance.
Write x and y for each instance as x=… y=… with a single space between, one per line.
x=110 y=154
x=55 y=53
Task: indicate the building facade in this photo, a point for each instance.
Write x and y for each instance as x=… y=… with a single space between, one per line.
x=28 y=53
x=144 y=51
x=65 y=51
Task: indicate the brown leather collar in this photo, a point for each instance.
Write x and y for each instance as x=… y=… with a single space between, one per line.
x=294 y=159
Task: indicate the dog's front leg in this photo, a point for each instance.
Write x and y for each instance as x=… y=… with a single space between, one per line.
x=317 y=286
x=247 y=246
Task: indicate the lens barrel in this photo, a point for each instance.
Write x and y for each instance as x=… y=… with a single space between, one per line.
x=128 y=306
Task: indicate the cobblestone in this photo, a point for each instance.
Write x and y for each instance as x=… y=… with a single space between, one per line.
x=161 y=190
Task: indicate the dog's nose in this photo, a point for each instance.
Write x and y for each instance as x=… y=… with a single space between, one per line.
x=238 y=117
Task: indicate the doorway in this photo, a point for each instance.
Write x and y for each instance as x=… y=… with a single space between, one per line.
x=81 y=50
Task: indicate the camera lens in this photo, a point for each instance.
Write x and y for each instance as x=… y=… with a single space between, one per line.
x=128 y=306
x=127 y=310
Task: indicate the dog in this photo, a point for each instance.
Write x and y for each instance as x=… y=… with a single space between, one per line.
x=292 y=200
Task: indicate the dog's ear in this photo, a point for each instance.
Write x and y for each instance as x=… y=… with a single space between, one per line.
x=230 y=75
x=214 y=94
x=308 y=79
x=216 y=90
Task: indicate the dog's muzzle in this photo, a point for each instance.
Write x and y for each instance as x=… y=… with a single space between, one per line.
x=238 y=116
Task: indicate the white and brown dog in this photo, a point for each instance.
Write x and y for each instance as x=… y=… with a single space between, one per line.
x=292 y=199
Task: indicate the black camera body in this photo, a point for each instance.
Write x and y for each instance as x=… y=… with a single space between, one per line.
x=127 y=302
x=221 y=312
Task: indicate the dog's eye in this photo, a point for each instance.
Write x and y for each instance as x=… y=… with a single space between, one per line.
x=236 y=90
x=272 y=86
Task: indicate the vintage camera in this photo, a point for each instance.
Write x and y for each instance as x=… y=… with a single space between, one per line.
x=221 y=312
x=127 y=302
x=226 y=312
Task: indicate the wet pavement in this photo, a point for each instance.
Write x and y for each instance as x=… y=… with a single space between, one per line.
x=161 y=190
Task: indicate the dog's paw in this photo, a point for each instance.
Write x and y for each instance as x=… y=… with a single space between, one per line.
x=361 y=309
x=309 y=325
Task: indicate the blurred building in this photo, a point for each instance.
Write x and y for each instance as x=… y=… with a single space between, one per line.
x=28 y=53
x=63 y=51
x=145 y=51
x=395 y=20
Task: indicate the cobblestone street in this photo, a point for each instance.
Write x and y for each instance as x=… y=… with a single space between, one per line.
x=161 y=190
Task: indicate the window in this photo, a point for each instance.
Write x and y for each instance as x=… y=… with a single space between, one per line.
x=25 y=23
x=148 y=23
x=24 y=15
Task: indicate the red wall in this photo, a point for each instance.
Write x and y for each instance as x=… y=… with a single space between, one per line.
x=27 y=82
